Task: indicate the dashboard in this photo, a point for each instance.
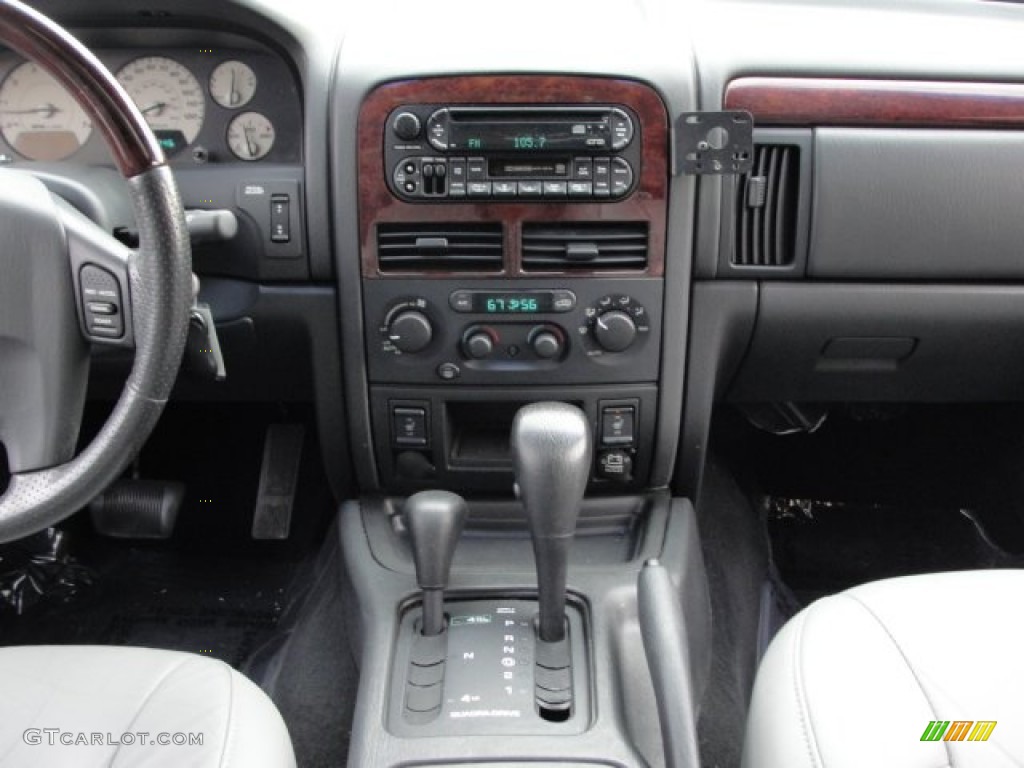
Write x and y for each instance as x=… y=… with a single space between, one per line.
x=440 y=206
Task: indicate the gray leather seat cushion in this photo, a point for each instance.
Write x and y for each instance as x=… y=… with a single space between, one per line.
x=89 y=694
x=855 y=678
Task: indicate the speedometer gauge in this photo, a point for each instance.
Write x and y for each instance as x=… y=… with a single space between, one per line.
x=169 y=97
x=38 y=118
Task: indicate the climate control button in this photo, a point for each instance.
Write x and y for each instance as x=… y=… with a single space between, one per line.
x=546 y=342
x=410 y=331
x=615 y=331
x=478 y=343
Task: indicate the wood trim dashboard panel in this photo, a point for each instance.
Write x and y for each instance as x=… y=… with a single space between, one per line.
x=795 y=101
x=648 y=201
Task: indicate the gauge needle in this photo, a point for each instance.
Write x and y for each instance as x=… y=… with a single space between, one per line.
x=253 y=147
x=235 y=96
x=159 y=107
x=47 y=111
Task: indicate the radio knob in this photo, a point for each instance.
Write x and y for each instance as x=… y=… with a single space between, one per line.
x=615 y=331
x=545 y=343
x=477 y=344
x=406 y=126
x=410 y=331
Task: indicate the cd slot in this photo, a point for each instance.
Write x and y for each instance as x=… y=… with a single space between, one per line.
x=529 y=168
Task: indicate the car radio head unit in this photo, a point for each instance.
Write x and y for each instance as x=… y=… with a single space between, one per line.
x=447 y=153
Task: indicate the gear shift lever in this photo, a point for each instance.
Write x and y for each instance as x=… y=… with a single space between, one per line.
x=551 y=451
x=434 y=520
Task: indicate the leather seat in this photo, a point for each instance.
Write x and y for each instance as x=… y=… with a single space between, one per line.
x=70 y=705
x=855 y=679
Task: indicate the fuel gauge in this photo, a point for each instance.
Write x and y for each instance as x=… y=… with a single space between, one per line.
x=251 y=136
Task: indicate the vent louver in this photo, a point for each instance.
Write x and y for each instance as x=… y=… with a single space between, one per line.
x=766 y=208
x=451 y=247
x=585 y=245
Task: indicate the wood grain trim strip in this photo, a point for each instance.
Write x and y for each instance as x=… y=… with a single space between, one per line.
x=910 y=103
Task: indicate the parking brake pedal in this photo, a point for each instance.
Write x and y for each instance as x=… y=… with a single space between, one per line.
x=137 y=509
x=279 y=475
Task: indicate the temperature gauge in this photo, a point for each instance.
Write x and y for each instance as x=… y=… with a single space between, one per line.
x=251 y=136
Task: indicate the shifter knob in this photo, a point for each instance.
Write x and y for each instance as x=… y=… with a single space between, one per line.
x=434 y=520
x=551 y=451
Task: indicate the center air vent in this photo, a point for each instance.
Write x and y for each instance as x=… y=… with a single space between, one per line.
x=453 y=247
x=766 y=208
x=595 y=245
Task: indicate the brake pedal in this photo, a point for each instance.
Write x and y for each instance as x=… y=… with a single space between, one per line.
x=137 y=509
x=279 y=478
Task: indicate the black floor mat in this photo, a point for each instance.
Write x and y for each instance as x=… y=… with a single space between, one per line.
x=224 y=607
x=821 y=547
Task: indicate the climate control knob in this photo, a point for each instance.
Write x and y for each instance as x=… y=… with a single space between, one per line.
x=410 y=331
x=545 y=342
x=406 y=126
x=615 y=331
x=477 y=344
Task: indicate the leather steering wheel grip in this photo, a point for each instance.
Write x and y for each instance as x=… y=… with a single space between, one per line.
x=160 y=279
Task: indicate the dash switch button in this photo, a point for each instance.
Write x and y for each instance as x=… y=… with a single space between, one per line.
x=280 y=218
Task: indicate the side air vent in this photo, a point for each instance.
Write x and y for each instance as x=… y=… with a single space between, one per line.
x=454 y=247
x=595 y=245
x=766 y=208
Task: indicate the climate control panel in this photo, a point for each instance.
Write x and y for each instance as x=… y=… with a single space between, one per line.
x=579 y=332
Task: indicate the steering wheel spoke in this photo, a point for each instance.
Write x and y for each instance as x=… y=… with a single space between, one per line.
x=43 y=361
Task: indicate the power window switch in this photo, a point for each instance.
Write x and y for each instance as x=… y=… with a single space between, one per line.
x=280 y=218
x=618 y=425
x=409 y=426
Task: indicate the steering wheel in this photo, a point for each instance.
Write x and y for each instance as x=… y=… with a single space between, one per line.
x=66 y=284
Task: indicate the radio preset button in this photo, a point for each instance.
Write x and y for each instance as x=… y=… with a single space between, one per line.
x=580 y=189
x=476 y=169
x=555 y=188
x=478 y=188
x=530 y=188
x=504 y=188
x=458 y=169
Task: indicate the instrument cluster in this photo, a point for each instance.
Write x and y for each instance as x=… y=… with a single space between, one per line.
x=204 y=105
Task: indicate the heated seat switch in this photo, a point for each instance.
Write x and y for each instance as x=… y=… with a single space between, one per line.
x=409 y=426
x=618 y=425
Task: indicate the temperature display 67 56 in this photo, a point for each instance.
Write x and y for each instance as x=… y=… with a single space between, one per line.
x=512 y=302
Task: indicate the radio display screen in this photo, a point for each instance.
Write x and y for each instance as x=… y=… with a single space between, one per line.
x=525 y=136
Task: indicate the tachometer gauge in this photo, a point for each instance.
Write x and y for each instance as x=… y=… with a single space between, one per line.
x=250 y=136
x=233 y=84
x=170 y=98
x=38 y=118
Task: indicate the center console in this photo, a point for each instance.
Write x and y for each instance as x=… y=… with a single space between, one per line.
x=512 y=250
